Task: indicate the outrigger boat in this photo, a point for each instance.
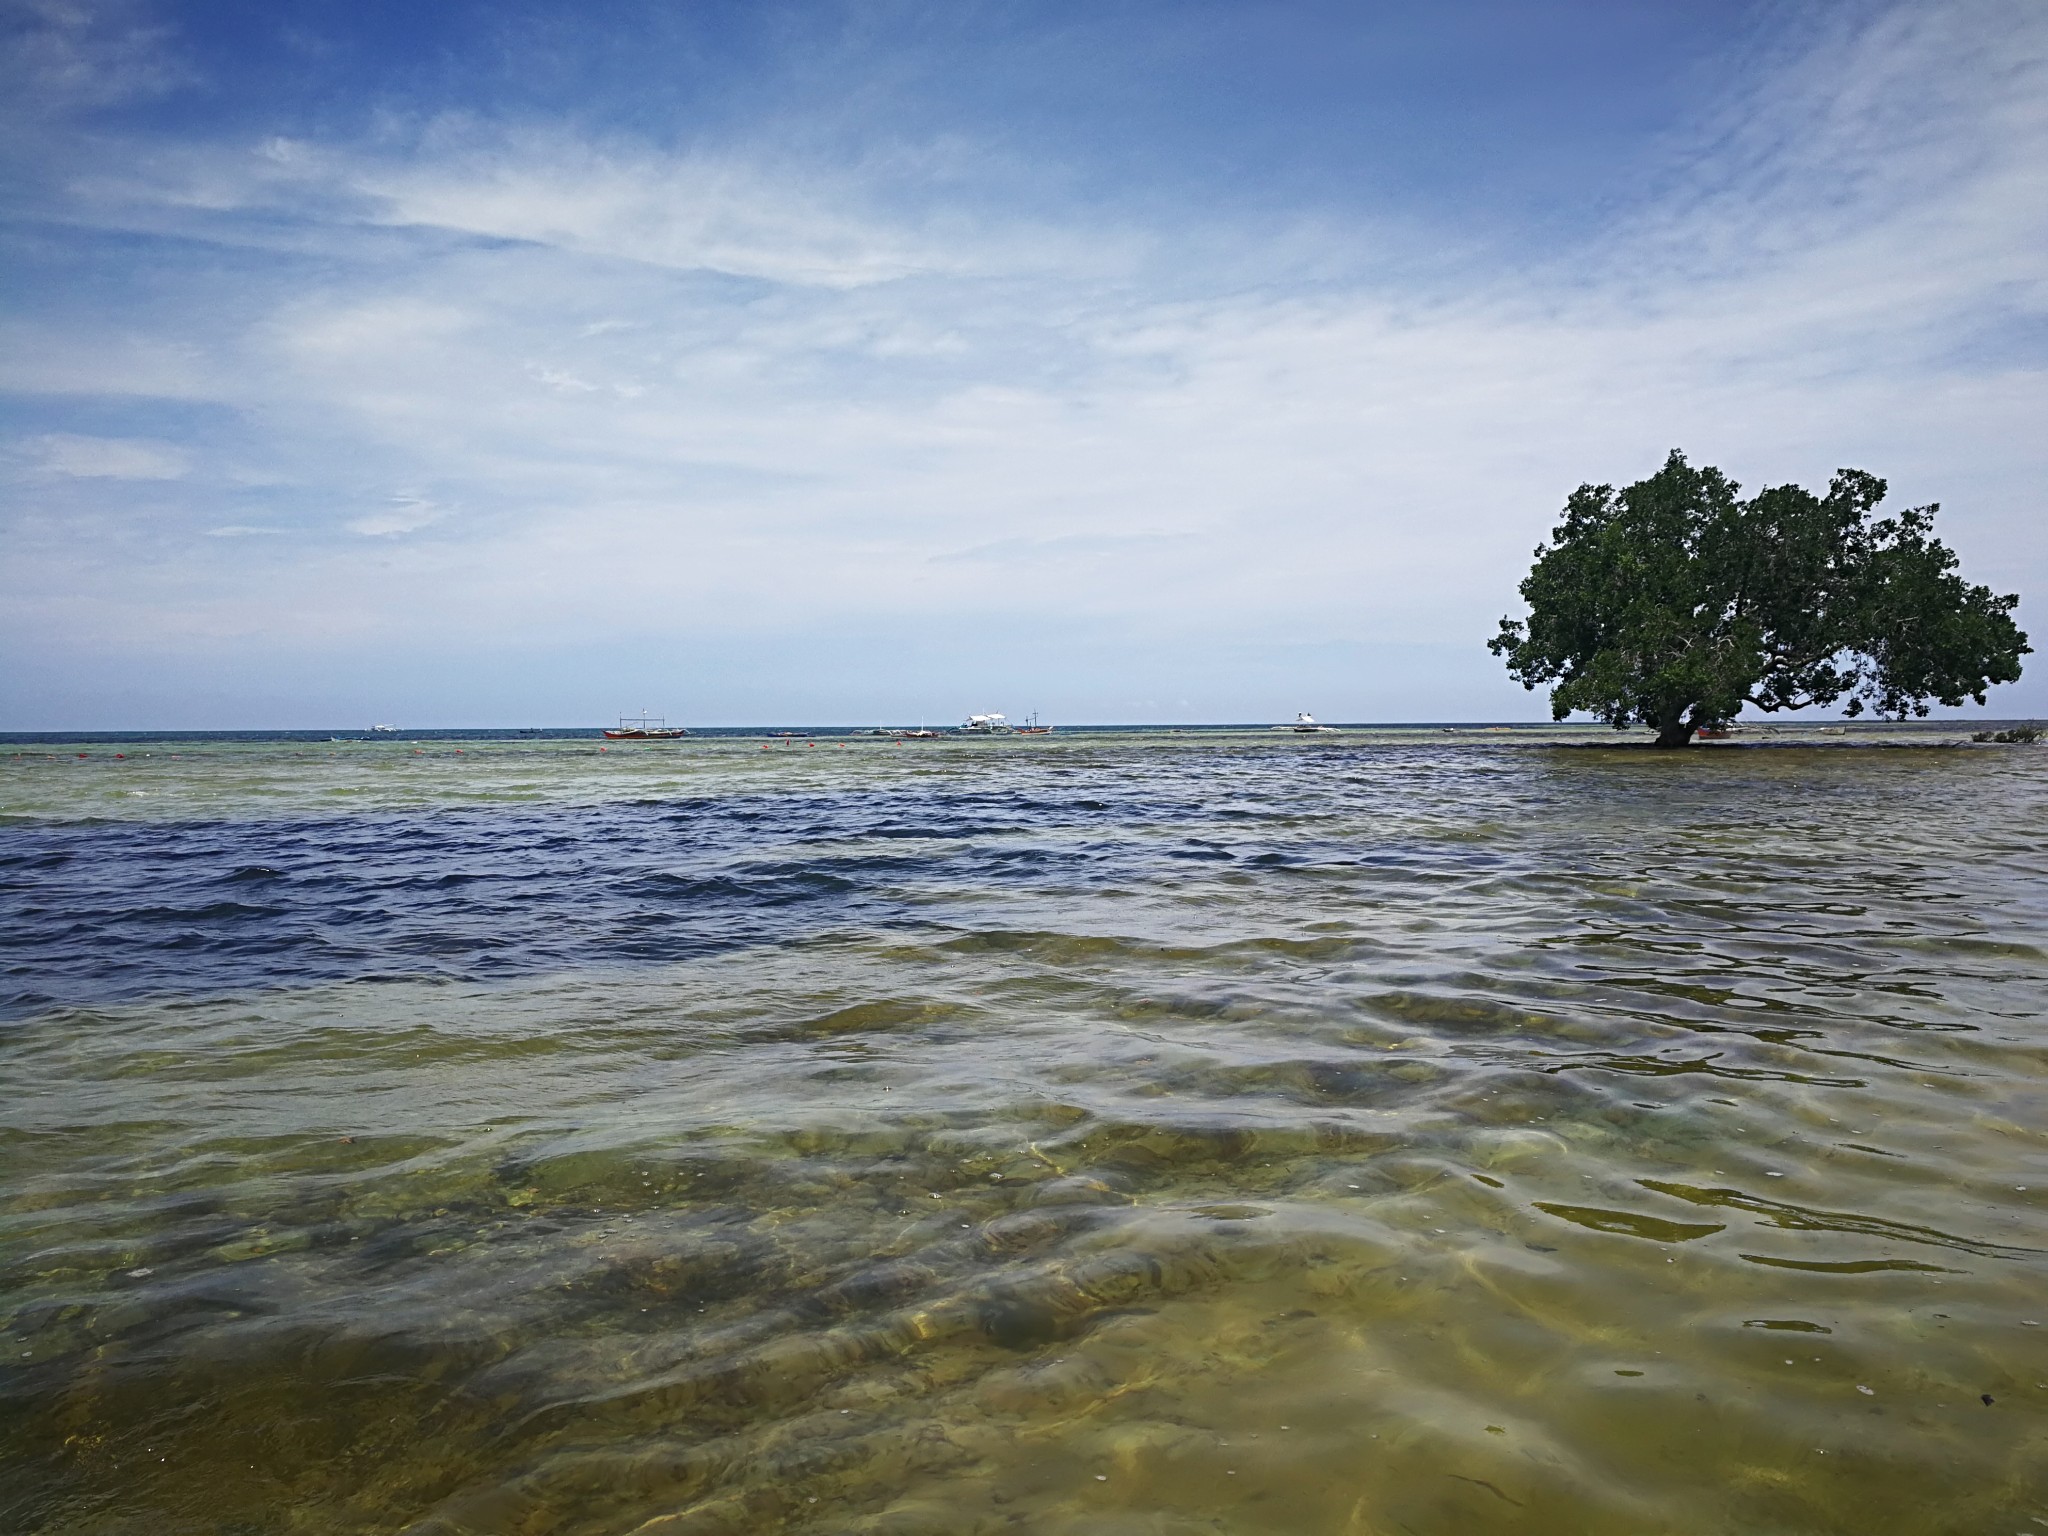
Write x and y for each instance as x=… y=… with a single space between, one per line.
x=1031 y=727
x=645 y=727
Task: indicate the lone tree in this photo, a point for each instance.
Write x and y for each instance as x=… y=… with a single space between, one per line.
x=1672 y=603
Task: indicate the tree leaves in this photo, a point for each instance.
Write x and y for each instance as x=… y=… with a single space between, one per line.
x=1672 y=603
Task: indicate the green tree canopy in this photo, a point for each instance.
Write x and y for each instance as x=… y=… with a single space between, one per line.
x=1673 y=603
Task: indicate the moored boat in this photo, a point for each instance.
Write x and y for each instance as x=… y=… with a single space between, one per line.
x=645 y=727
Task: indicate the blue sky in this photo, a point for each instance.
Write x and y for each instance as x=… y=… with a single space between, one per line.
x=501 y=364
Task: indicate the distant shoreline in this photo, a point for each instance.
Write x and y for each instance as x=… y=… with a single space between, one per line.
x=1759 y=733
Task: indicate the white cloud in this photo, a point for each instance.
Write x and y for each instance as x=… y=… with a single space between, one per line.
x=106 y=458
x=557 y=379
x=408 y=514
x=686 y=213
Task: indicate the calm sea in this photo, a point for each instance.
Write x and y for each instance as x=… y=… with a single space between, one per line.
x=1100 y=1134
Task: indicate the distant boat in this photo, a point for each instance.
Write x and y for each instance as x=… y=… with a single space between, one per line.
x=1031 y=727
x=1305 y=724
x=988 y=725
x=385 y=730
x=645 y=727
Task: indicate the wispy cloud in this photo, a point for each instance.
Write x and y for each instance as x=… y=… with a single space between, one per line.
x=406 y=514
x=61 y=56
x=104 y=458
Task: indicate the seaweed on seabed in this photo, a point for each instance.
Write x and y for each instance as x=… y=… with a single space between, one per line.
x=2018 y=735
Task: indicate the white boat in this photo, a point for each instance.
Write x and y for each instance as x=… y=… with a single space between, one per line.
x=385 y=730
x=1305 y=724
x=988 y=725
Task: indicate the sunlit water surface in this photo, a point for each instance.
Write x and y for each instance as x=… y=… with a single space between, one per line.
x=1091 y=1135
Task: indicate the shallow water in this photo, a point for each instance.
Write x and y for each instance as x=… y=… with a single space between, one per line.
x=1096 y=1134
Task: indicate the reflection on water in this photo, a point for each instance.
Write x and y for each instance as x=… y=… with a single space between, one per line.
x=1161 y=1135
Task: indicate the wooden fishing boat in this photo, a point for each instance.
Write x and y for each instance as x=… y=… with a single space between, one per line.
x=645 y=727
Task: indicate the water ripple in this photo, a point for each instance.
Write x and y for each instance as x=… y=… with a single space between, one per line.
x=1163 y=1136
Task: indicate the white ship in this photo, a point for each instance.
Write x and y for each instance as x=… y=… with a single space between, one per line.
x=1306 y=724
x=988 y=725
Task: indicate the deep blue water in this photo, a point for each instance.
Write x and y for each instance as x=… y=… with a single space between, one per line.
x=97 y=912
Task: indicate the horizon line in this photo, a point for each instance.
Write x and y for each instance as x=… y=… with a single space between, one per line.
x=371 y=733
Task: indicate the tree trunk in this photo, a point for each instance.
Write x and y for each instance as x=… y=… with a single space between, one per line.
x=1675 y=729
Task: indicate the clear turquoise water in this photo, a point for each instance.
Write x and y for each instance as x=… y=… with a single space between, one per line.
x=1097 y=1134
